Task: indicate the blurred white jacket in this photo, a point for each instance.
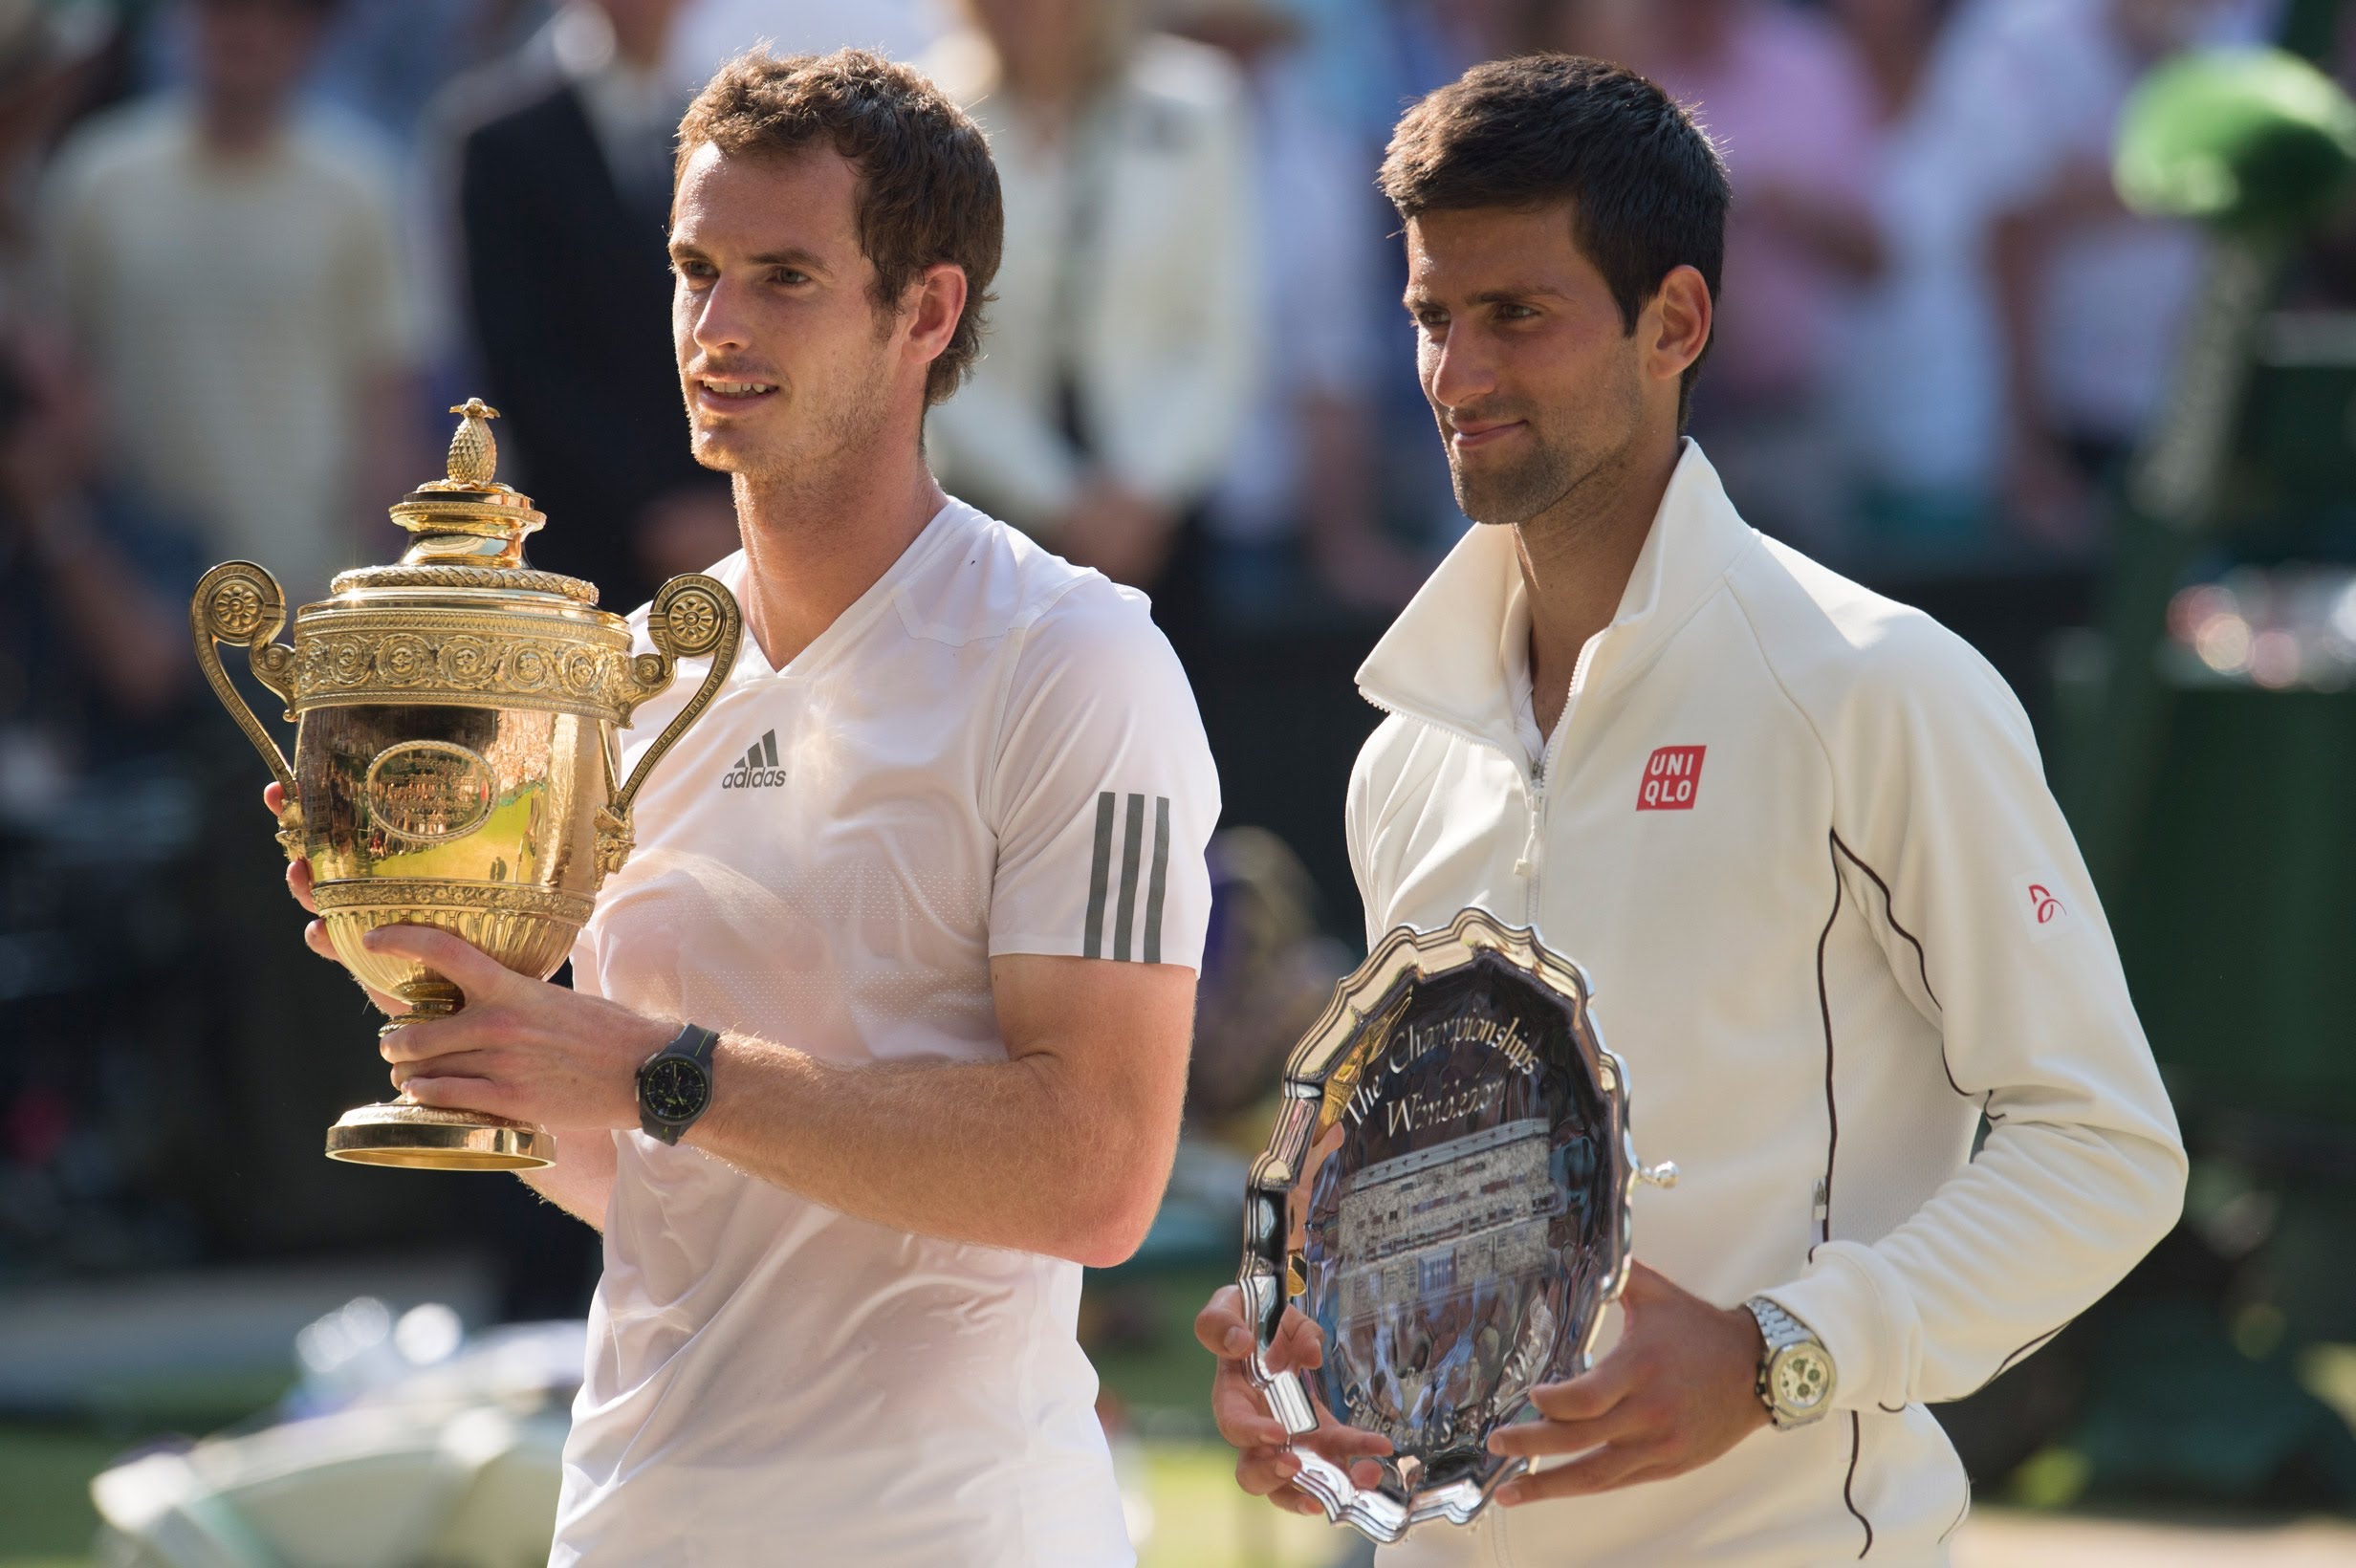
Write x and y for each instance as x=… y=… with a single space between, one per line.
x=1799 y=836
x=1128 y=273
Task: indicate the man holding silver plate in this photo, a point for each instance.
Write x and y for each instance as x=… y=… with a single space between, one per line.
x=1798 y=837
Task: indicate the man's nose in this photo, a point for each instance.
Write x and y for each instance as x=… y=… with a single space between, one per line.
x=1459 y=370
x=720 y=323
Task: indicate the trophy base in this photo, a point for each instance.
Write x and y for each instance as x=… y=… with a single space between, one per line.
x=421 y=1138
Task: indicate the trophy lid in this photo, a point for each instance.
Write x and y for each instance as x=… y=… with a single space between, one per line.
x=466 y=528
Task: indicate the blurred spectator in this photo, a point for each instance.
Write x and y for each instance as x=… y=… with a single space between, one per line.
x=2090 y=302
x=1121 y=349
x=45 y=50
x=563 y=182
x=713 y=31
x=1606 y=30
x=227 y=267
x=1303 y=475
x=385 y=59
x=1918 y=389
x=94 y=639
x=1268 y=973
x=1786 y=98
x=96 y=824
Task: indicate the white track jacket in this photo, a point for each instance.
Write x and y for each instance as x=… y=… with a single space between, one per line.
x=1801 y=839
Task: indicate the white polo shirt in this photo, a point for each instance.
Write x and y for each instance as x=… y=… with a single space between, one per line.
x=992 y=751
x=1799 y=836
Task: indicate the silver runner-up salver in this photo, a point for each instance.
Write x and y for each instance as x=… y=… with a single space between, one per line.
x=1446 y=1197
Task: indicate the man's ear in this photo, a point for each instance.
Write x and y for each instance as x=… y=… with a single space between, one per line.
x=934 y=303
x=1676 y=323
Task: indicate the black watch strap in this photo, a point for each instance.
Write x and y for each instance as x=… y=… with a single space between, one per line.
x=694 y=1045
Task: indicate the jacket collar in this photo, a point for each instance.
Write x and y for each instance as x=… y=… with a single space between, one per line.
x=1444 y=659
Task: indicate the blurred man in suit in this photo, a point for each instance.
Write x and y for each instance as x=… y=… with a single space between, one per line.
x=563 y=168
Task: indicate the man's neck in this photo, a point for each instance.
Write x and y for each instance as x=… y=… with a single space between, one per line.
x=1576 y=561
x=813 y=548
x=237 y=130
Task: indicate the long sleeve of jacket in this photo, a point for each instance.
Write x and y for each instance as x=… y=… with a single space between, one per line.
x=1947 y=834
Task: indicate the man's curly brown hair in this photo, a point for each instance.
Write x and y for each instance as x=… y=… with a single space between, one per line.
x=928 y=191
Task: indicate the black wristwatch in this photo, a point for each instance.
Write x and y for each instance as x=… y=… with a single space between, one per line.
x=674 y=1085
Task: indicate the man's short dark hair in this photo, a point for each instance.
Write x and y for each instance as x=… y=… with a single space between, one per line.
x=1646 y=189
x=928 y=191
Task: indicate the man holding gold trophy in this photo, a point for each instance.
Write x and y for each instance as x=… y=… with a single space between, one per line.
x=1800 y=839
x=881 y=1014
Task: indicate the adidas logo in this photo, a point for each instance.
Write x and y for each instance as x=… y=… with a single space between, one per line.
x=758 y=768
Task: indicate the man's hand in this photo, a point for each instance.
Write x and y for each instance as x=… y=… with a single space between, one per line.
x=1679 y=1389
x=520 y=1048
x=1266 y=1463
x=314 y=934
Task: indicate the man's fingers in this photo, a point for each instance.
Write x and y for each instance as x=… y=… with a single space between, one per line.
x=1299 y=1344
x=273 y=797
x=317 y=939
x=1219 y=1327
x=1240 y=1413
x=1342 y=1444
x=1265 y=1470
x=298 y=883
x=458 y=1094
x=1535 y=1439
x=470 y=1033
x=1599 y=1471
x=1592 y=1393
x=473 y=970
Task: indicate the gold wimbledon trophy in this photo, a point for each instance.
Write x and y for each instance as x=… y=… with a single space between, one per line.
x=456 y=754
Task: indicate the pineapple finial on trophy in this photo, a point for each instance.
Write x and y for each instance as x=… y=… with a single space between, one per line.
x=474 y=455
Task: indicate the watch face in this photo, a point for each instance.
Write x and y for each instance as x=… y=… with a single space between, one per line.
x=1802 y=1377
x=674 y=1089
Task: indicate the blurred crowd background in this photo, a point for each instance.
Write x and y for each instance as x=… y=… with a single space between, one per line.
x=251 y=249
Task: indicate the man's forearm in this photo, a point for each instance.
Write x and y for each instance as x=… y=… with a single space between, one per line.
x=581 y=1181
x=1002 y=1154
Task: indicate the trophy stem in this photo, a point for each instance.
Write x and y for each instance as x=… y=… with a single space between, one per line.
x=400 y=1133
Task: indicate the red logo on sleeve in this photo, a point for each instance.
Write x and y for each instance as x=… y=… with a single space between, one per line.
x=1671 y=778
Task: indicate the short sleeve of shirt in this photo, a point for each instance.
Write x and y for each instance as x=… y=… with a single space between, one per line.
x=1103 y=796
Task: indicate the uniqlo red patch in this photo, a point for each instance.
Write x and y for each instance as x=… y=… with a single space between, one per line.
x=1672 y=778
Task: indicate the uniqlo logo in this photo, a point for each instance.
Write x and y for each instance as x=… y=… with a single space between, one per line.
x=1672 y=777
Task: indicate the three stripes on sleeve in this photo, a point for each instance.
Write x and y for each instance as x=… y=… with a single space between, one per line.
x=1134 y=866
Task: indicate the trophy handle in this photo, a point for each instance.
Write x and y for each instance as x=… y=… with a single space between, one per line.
x=692 y=615
x=238 y=601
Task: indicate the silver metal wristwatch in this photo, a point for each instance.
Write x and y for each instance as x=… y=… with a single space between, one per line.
x=1796 y=1377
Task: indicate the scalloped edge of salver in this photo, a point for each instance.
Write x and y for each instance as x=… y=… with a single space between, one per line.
x=1381 y=1515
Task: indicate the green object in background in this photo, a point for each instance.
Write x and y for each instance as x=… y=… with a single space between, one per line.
x=2255 y=140
x=2234 y=917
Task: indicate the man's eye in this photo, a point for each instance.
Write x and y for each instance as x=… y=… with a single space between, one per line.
x=696 y=271
x=788 y=277
x=1515 y=313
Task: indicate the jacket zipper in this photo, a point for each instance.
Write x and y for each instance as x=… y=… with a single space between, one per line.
x=1532 y=847
x=1534 y=777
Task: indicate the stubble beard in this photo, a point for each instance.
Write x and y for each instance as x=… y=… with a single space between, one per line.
x=815 y=453
x=1562 y=475
x=1508 y=495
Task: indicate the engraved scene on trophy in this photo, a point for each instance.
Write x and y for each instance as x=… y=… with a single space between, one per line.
x=1449 y=1233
